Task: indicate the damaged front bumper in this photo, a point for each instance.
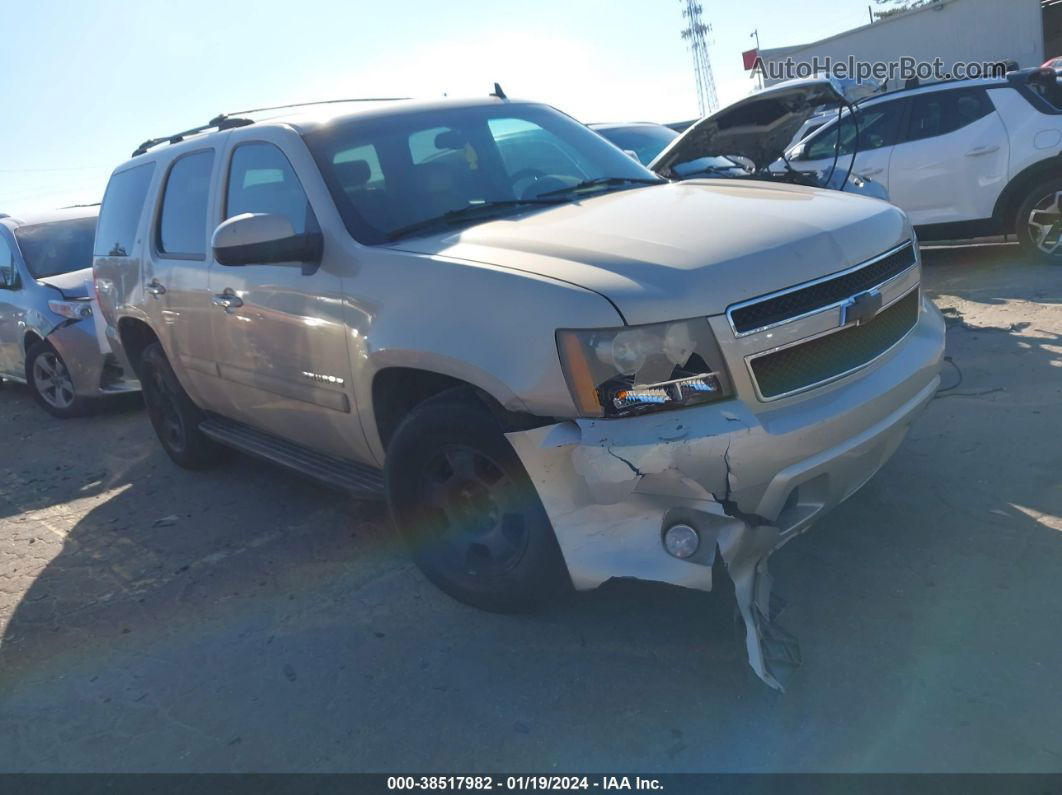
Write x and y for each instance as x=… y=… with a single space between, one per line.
x=747 y=478
x=94 y=373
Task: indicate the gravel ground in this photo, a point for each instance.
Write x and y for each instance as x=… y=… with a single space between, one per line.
x=245 y=620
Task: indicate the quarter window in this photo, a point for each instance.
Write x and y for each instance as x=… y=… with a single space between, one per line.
x=945 y=112
x=183 y=221
x=261 y=180
x=120 y=214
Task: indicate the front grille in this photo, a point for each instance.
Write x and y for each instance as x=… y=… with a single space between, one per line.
x=821 y=294
x=800 y=366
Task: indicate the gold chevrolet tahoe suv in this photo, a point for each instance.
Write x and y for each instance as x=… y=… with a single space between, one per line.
x=559 y=366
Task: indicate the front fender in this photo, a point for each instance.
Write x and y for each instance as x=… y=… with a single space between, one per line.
x=76 y=343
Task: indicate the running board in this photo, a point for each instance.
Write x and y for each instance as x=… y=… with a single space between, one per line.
x=358 y=480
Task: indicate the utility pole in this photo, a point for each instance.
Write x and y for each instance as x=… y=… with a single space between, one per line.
x=759 y=77
x=695 y=34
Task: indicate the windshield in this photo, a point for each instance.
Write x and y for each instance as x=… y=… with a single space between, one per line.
x=645 y=140
x=57 y=247
x=391 y=175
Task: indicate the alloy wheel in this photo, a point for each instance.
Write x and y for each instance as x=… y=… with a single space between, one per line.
x=1045 y=224
x=475 y=521
x=52 y=380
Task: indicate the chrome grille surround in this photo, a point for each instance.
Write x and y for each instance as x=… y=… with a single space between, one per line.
x=813 y=325
x=836 y=289
x=805 y=364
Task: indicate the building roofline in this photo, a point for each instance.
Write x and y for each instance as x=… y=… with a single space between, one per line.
x=936 y=5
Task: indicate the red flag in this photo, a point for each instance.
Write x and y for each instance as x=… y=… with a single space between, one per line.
x=749 y=58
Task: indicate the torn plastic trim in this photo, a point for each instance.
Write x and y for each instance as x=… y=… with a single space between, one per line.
x=609 y=504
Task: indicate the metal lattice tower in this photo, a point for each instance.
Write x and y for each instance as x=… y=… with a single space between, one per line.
x=696 y=35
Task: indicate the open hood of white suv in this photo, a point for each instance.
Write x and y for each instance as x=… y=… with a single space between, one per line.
x=758 y=128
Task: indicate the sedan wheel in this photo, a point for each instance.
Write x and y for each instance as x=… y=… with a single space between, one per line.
x=51 y=384
x=52 y=381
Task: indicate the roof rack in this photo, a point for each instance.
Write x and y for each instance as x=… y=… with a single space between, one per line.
x=914 y=82
x=220 y=122
x=228 y=121
x=320 y=102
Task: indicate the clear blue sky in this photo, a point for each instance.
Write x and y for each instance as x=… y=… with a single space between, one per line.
x=85 y=82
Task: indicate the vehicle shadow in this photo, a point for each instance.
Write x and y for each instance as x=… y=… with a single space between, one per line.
x=241 y=619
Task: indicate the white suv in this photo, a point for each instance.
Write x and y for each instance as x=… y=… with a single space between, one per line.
x=963 y=159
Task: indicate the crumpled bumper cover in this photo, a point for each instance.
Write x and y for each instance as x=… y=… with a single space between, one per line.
x=92 y=373
x=747 y=479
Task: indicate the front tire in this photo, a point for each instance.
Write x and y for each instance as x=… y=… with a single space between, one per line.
x=1039 y=222
x=173 y=414
x=51 y=384
x=464 y=505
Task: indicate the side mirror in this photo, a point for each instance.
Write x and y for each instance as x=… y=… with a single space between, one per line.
x=264 y=238
x=797 y=152
x=632 y=154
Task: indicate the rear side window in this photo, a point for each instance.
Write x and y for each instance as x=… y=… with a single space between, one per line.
x=120 y=213
x=877 y=128
x=183 y=221
x=945 y=112
x=7 y=264
x=261 y=180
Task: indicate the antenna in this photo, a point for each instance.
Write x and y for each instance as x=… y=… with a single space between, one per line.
x=498 y=92
x=696 y=35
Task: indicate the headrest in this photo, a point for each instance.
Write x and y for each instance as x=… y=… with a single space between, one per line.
x=353 y=173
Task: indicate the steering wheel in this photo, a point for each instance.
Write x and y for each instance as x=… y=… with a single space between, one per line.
x=527 y=173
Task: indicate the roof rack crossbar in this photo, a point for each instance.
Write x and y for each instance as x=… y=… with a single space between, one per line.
x=321 y=102
x=220 y=122
x=227 y=121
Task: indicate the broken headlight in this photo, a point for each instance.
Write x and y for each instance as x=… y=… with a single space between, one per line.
x=635 y=369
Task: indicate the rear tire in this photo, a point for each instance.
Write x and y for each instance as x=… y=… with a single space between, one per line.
x=1039 y=222
x=173 y=414
x=51 y=384
x=464 y=505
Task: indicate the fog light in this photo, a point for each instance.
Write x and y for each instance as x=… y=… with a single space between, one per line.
x=681 y=540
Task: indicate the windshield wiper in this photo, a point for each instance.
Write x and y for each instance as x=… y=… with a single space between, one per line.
x=725 y=170
x=473 y=212
x=605 y=182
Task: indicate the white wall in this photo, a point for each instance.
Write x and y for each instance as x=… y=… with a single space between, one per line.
x=953 y=30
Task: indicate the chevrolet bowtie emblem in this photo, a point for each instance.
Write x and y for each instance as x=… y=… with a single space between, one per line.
x=860 y=308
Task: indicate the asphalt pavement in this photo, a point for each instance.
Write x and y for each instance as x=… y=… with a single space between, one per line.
x=243 y=619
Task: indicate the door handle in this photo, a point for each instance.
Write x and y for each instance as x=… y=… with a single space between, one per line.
x=870 y=172
x=155 y=288
x=227 y=300
x=982 y=150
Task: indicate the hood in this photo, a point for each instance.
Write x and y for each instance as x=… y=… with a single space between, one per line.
x=758 y=128
x=682 y=249
x=71 y=285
